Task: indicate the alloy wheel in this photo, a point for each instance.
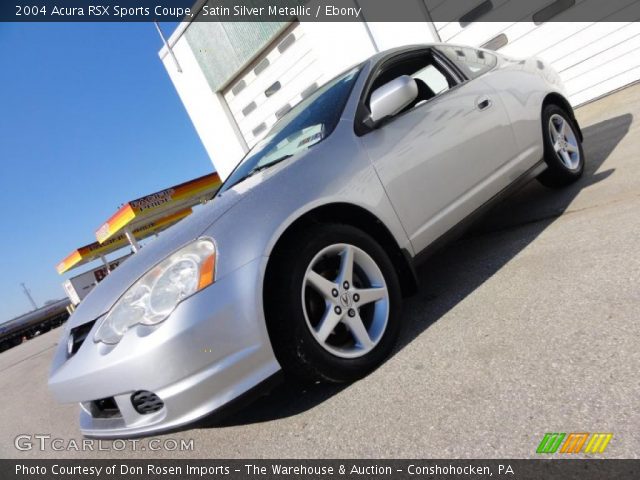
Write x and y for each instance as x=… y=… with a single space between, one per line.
x=345 y=300
x=564 y=141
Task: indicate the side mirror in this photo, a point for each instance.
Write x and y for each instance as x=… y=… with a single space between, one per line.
x=392 y=97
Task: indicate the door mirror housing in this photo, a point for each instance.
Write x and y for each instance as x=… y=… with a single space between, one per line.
x=392 y=97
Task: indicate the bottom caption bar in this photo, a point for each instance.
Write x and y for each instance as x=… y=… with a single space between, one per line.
x=324 y=469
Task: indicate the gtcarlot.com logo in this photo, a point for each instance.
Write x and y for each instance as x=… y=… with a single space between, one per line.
x=45 y=442
x=574 y=442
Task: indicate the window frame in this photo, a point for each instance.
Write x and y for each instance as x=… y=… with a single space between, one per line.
x=270 y=92
x=476 y=13
x=251 y=107
x=261 y=66
x=550 y=11
x=362 y=110
x=261 y=127
x=485 y=51
x=486 y=45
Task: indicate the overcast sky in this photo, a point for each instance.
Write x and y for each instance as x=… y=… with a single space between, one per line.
x=88 y=120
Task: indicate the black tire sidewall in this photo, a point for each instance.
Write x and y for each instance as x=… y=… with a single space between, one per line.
x=295 y=346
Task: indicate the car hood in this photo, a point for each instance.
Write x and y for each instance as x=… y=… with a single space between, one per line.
x=107 y=292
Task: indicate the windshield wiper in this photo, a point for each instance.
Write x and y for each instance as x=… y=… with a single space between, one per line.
x=268 y=165
x=255 y=170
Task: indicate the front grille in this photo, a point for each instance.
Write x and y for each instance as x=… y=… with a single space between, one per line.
x=77 y=336
x=146 y=402
x=104 y=408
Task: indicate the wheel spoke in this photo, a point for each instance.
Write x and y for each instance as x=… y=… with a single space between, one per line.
x=321 y=284
x=346 y=265
x=556 y=146
x=563 y=127
x=368 y=295
x=566 y=159
x=555 y=132
x=559 y=127
x=571 y=147
x=359 y=331
x=328 y=324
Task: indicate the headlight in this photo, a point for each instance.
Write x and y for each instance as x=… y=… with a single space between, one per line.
x=153 y=297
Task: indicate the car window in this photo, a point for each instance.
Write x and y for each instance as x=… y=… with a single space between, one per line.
x=432 y=78
x=471 y=61
x=305 y=125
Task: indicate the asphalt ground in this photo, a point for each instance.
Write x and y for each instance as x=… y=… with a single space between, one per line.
x=528 y=325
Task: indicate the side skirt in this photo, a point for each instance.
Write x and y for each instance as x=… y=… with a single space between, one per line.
x=459 y=229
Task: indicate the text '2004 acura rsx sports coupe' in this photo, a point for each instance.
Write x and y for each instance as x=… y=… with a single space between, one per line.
x=301 y=260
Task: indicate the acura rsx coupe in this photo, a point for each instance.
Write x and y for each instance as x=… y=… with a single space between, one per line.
x=301 y=260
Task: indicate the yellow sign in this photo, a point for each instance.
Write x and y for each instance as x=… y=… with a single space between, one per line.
x=94 y=250
x=161 y=203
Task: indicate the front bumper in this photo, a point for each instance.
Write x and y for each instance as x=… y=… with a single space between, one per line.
x=212 y=349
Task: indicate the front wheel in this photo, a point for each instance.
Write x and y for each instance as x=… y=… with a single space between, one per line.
x=563 y=151
x=333 y=309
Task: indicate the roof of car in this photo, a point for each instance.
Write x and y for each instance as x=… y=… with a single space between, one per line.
x=405 y=48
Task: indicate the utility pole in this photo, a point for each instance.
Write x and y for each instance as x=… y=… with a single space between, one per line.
x=168 y=47
x=28 y=294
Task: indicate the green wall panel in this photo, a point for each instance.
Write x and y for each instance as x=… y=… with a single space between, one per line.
x=222 y=48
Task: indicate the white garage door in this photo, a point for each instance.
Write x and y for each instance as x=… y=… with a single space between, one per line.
x=593 y=58
x=279 y=78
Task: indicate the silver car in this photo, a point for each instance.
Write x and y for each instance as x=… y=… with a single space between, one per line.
x=301 y=261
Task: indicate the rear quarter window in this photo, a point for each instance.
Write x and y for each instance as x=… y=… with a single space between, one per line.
x=471 y=61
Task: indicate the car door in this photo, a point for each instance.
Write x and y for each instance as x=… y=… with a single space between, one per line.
x=446 y=156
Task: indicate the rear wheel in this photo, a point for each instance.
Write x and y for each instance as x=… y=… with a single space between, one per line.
x=333 y=309
x=563 y=151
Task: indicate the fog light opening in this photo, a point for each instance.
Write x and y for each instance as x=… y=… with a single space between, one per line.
x=104 y=408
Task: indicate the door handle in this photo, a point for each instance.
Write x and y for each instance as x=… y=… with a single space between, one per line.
x=483 y=103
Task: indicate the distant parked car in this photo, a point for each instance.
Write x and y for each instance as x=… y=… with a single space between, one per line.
x=301 y=261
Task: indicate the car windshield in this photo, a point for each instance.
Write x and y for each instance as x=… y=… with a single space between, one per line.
x=307 y=124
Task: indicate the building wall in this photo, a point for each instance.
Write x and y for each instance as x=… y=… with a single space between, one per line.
x=206 y=108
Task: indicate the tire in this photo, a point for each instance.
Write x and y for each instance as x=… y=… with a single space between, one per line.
x=563 y=155
x=295 y=307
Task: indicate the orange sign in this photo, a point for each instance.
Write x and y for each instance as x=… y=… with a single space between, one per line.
x=94 y=250
x=158 y=204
